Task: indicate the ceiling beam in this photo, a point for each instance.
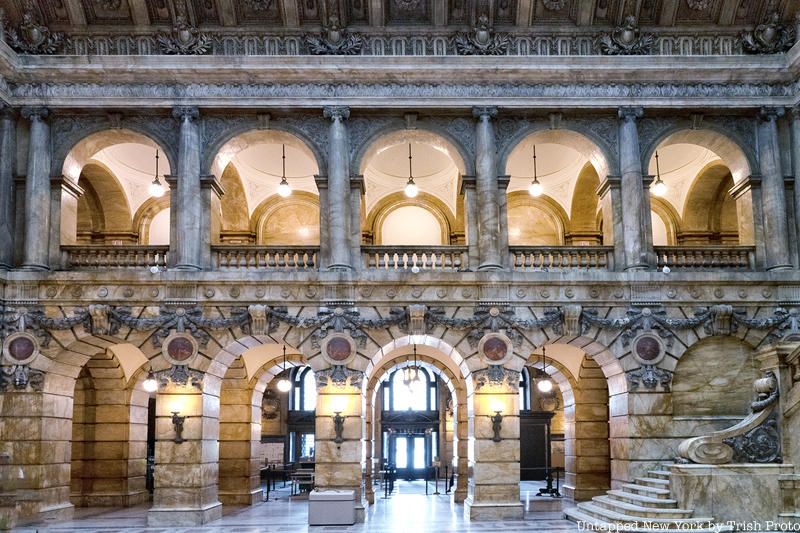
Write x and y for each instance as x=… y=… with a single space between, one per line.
x=77 y=16
x=585 y=14
x=727 y=14
x=669 y=11
x=227 y=14
x=139 y=13
x=376 y=17
x=524 y=12
x=291 y=17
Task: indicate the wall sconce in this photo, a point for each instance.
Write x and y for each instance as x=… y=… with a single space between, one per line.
x=497 y=420
x=177 y=423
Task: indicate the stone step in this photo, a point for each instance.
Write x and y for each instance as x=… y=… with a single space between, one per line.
x=590 y=522
x=644 y=490
x=659 y=474
x=640 y=511
x=639 y=499
x=601 y=513
x=653 y=482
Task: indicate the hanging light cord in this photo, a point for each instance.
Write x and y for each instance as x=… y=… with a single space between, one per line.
x=410 y=174
x=658 y=170
x=156 y=176
x=284 y=357
x=535 y=178
x=283 y=161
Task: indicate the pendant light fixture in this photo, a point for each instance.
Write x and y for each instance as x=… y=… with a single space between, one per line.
x=150 y=384
x=412 y=377
x=411 y=188
x=535 y=189
x=659 y=188
x=545 y=384
x=283 y=187
x=284 y=384
x=156 y=190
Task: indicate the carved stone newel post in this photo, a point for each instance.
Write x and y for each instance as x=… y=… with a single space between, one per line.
x=338 y=189
x=187 y=240
x=7 y=148
x=634 y=223
x=773 y=195
x=37 y=191
x=486 y=189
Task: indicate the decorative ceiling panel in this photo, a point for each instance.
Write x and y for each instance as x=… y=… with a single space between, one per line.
x=552 y=11
x=457 y=12
x=505 y=12
x=649 y=11
x=206 y=12
x=357 y=12
x=255 y=12
x=404 y=12
x=309 y=11
x=698 y=11
x=747 y=12
x=107 y=12
x=50 y=10
x=159 y=12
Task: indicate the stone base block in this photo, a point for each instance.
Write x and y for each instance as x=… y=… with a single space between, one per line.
x=241 y=498
x=161 y=517
x=493 y=510
x=545 y=504
x=110 y=500
x=746 y=493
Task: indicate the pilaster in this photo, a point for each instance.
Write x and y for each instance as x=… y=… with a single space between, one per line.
x=211 y=193
x=610 y=195
x=749 y=207
x=471 y=220
x=324 y=234
x=357 y=192
x=8 y=131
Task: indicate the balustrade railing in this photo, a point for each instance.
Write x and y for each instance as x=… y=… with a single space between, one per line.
x=561 y=257
x=706 y=257
x=443 y=258
x=115 y=256
x=231 y=257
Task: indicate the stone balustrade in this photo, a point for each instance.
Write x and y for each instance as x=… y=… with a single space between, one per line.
x=561 y=257
x=706 y=257
x=115 y=256
x=231 y=257
x=443 y=258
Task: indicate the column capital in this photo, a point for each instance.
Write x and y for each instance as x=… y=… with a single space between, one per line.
x=745 y=185
x=503 y=181
x=6 y=111
x=630 y=113
x=65 y=184
x=357 y=183
x=35 y=113
x=321 y=181
x=484 y=111
x=209 y=181
x=611 y=182
x=467 y=183
x=770 y=114
x=336 y=113
x=185 y=112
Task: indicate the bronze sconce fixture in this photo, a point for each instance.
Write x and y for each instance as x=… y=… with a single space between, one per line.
x=177 y=423
x=338 y=428
x=497 y=424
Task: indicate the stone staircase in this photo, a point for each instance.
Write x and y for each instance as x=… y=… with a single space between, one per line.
x=642 y=506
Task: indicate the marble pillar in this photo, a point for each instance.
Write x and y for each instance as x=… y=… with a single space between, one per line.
x=611 y=199
x=8 y=132
x=338 y=189
x=186 y=472
x=796 y=170
x=64 y=195
x=357 y=192
x=773 y=197
x=338 y=464
x=494 y=486
x=471 y=221
x=188 y=241
x=486 y=189
x=37 y=192
x=323 y=259
x=632 y=191
x=502 y=211
x=747 y=194
x=211 y=193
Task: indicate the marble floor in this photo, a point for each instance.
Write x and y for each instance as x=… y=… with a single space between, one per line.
x=408 y=509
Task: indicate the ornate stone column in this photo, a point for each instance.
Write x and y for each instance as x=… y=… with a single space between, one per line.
x=187 y=468
x=494 y=487
x=338 y=440
x=357 y=192
x=338 y=189
x=611 y=199
x=502 y=211
x=773 y=197
x=796 y=169
x=486 y=189
x=7 y=160
x=186 y=243
x=323 y=259
x=37 y=192
x=632 y=191
x=471 y=221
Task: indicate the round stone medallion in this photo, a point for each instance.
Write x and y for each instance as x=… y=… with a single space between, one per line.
x=338 y=349
x=648 y=349
x=179 y=348
x=20 y=348
x=495 y=348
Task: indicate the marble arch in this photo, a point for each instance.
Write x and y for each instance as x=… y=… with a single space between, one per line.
x=582 y=140
x=424 y=134
x=77 y=153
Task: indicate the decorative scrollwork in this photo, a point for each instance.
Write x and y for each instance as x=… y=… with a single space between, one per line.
x=179 y=319
x=482 y=40
x=626 y=40
x=699 y=5
x=770 y=37
x=649 y=377
x=339 y=376
x=761 y=444
x=334 y=40
x=496 y=376
x=180 y=375
x=32 y=36
x=184 y=39
x=20 y=377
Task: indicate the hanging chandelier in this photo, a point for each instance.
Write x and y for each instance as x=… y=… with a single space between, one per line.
x=659 y=188
x=284 y=384
x=411 y=377
x=283 y=187
x=156 y=190
x=411 y=188
x=544 y=384
x=535 y=188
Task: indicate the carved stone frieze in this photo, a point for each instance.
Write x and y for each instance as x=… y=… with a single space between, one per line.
x=334 y=40
x=770 y=37
x=626 y=40
x=482 y=40
x=184 y=39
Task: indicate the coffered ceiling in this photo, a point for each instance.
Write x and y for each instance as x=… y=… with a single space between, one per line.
x=139 y=16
